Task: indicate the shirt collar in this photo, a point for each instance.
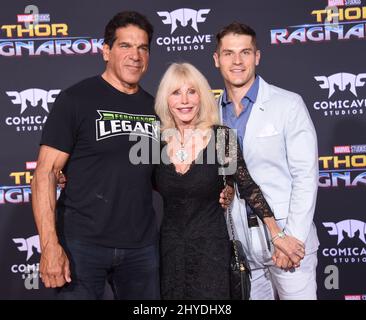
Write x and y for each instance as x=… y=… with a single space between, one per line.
x=251 y=94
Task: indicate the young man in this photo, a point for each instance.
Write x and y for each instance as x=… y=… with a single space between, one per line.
x=280 y=149
x=105 y=227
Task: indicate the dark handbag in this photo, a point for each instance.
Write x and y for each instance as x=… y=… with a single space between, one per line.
x=240 y=273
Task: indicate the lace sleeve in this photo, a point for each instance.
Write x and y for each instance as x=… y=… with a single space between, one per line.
x=236 y=168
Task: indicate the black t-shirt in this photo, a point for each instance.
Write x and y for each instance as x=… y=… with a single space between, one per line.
x=108 y=197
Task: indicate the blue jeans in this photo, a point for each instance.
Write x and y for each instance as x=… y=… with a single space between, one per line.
x=132 y=273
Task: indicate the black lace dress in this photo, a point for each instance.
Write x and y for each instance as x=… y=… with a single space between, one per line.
x=194 y=245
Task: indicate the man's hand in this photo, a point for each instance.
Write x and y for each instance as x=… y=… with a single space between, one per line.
x=54 y=266
x=226 y=196
x=281 y=260
x=61 y=180
x=292 y=248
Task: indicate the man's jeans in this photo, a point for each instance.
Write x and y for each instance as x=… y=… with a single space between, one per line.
x=132 y=273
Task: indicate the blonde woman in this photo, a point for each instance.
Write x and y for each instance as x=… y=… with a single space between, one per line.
x=195 y=250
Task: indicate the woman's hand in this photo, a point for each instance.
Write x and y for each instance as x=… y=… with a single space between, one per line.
x=226 y=196
x=291 y=247
x=282 y=261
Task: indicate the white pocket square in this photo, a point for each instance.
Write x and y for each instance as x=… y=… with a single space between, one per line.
x=267 y=131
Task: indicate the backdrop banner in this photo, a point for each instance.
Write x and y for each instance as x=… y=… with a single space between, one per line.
x=315 y=48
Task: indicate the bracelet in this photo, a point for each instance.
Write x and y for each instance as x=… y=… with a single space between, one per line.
x=281 y=235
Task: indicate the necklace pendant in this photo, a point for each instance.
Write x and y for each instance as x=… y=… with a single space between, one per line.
x=182 y=155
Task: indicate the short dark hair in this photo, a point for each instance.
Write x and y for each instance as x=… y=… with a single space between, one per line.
x=236 y=28
x=123 y=19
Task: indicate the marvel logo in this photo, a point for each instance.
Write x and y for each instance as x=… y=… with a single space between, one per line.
x=31 y=165
x=352 y=297
x=342 y=149
x=25 y=18
x=334 y=3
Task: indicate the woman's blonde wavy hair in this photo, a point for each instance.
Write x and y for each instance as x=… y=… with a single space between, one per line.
x=174 y=77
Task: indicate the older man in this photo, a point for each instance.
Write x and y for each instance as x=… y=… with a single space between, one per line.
x=105 y=227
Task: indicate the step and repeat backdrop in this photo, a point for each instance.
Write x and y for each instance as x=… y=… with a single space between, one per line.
x=313 y=47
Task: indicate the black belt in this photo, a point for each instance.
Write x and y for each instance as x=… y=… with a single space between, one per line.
x=252 y=221
x=252 y=218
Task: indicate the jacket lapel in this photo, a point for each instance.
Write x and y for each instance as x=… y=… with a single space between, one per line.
x=257 y=114
x=255 y=121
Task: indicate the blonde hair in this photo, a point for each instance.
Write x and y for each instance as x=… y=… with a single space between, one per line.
x=174 y=77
